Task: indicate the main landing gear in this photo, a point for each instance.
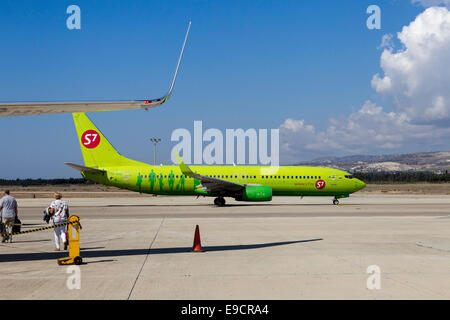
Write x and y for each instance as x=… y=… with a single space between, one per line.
x=335 y=201
x=219 y=201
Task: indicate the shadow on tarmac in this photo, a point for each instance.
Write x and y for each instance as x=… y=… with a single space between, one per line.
x=15 y=257
x=229 y=205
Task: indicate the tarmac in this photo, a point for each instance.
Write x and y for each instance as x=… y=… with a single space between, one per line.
x=290 y=248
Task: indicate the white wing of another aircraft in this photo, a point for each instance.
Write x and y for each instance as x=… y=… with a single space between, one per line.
x=36 y=108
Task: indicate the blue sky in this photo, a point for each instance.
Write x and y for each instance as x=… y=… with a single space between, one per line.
x=247 y=64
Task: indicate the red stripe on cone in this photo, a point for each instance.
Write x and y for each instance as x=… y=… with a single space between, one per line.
x=197 y=247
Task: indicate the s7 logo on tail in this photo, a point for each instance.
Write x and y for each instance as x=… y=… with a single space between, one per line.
x=90 y=139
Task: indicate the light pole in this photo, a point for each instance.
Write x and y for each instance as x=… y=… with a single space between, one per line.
x=155 y=141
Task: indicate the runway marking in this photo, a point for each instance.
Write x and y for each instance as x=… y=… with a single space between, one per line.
x=431 y=246
x=146 y=257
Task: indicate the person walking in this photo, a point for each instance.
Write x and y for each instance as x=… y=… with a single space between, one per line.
x=59 y=212
x=8 y=209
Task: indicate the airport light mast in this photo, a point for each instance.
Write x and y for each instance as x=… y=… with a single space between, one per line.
x=155 y=141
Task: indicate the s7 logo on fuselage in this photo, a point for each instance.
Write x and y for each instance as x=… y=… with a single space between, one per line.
x=320 y=184
x=90 y=139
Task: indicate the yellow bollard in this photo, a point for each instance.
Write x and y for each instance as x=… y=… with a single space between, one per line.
x=74 y=243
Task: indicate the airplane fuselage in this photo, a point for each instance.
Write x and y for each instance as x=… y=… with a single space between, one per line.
x=103 y=164
x=284 y=181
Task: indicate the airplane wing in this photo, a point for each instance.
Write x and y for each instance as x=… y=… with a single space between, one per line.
x=84 y=169
x=37 y=108
x=209 y=184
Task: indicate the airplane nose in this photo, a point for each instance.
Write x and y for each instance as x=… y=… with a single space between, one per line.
x=360 y=185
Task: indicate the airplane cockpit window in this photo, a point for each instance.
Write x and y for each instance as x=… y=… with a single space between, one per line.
x=349 y=176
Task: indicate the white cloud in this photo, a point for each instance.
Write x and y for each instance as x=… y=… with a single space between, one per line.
x=368 y=130
x=417 y=77
x=297 y=126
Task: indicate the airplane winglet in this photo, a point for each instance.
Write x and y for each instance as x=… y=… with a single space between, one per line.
x=184 y=168
x=13 y=109
x=178 y=64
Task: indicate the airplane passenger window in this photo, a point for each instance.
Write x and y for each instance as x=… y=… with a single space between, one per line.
x=254 y=177
x=288 y=177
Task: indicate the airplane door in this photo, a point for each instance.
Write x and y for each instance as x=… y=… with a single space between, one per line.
x=126 y=178
x=333 y=178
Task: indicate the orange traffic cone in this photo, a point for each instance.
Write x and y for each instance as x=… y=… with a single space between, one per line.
x=197 y=247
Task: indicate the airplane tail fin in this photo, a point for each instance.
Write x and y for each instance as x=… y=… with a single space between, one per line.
x=96 y=149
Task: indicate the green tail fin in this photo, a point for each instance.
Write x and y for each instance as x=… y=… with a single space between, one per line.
x=96 y=149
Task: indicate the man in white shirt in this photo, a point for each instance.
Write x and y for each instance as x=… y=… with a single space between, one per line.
x=8 y=210
x=60 y=213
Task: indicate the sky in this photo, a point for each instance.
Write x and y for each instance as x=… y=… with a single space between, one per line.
x=312 y=69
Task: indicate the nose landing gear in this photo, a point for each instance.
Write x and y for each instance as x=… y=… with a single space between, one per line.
x=335 y=201
x=219 y=201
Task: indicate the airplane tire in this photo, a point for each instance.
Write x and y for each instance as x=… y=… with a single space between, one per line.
x=220 y=202
x=335 y=201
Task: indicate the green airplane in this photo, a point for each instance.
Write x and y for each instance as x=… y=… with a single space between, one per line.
x=103 y=164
